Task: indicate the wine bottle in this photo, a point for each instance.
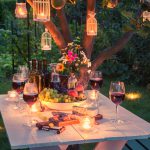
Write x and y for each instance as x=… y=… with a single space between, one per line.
x=46 y=74
x=34 y=74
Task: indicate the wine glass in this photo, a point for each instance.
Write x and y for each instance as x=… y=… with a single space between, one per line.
x=30 y=96
x=18 y=82
x=24 y=71
x=117 y=95
x=96 y=81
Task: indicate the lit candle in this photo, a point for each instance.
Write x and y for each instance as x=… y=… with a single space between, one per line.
x=12 y=94
x=46 y=47
x=87 y=123
x=21 y=12
x=41 y=16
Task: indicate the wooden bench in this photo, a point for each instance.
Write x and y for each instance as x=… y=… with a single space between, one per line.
x=143 y=144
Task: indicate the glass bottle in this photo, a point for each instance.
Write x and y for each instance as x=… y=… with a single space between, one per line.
x=40 y=76
x=34 y=74
x=72 y=81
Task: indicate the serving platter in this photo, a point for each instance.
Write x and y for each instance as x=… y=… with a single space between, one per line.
x=63 y=106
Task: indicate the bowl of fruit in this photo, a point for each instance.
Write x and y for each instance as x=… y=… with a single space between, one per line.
x=52 y=99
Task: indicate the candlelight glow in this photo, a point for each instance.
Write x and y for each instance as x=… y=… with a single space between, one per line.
x=1 y=128
x=91 y=27
x=112 y=3
x=87 y=123
x=133 y=96
x=46 y=40
x=34 y=108
x=41 y=10
x=21 y=10
x=12 y=94
x=146 y=16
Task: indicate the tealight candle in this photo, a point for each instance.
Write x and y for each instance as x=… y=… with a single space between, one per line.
x=12 y=94
x=86 y=123
x=41 y=16
x=46 y=47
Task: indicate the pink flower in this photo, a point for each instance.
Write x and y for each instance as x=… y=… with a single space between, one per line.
x=71 y=56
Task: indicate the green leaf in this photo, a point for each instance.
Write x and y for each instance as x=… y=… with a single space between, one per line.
x=127 y=14
x=127 y=28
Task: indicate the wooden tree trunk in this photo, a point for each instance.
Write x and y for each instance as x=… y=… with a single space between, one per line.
x=63 y=37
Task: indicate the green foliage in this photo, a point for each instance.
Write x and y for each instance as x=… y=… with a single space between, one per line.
x=112 y=23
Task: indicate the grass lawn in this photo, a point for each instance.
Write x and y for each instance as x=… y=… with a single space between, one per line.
x=140 y=107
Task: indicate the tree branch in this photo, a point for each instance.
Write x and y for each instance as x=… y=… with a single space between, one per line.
x=55 y=33
x=64 y=25
x=108 y=52
x=88 y=41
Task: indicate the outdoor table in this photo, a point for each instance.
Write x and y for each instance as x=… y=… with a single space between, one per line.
x=108 y=134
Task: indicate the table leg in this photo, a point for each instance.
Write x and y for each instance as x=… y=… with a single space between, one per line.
x=110 y=145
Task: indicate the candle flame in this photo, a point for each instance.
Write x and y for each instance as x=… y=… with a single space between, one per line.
x=86 y=124
x=20 y=10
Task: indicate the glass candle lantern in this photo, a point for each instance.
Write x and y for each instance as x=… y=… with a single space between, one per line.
x=146 y=16
x=21 y=10
x=87 y=123
x=58 y=4
x=112 y=3
x=91 y=25
x=41 y=10
x=46 y=41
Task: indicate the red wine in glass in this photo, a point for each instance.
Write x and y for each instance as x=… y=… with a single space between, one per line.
x=30 y=99
x=96 y=83
x=18 y=86
x=117 y=97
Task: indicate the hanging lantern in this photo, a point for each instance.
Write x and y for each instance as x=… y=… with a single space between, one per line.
x=146 y=16
x=21 y=10
x=91 y=26
x=41 y=10
x=112 y=3
x=46 y=41
x=58 y=4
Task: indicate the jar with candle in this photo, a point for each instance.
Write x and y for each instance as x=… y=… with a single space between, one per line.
x=87 y=123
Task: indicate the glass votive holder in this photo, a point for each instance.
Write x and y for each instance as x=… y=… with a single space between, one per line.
x=87 y=123
x=12 y=95
x=92 y=100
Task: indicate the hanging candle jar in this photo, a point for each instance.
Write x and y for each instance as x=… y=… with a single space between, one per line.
x=112 y=3
x=58 y=4
x=46 y=40
x=21 y=10
x=146 y=15
x=91 y=27
x=41 y=10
